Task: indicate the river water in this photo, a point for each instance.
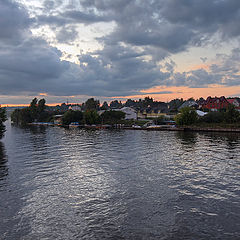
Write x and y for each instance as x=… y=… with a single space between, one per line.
x=58 y=183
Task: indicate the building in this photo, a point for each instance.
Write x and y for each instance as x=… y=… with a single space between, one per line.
x=189 y=103
x=130 y=113
x=57 y=119
x=215 y=103
x=235 y=102
x=150 y=113
x=75 y=108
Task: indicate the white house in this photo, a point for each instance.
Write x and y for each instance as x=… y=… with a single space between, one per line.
x=130 y=113
x=75 y=108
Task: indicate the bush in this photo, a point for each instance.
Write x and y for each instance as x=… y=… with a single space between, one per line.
x=213 y=117
x=232 y=115
x=112 y=117
x=72 y=116
x=91 y=117
x=187 y=116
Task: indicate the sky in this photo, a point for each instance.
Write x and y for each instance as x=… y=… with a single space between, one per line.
x=71 y=50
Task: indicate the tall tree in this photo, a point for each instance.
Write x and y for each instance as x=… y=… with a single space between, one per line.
x=187 y=116
x=33 y=108
x=112 y=116
x=41 y=105
x=3 y=118
x=92 y=104
x=115 y=104
x=72 y=116
x=104 y=106
x=91 y=117
x=232 y=115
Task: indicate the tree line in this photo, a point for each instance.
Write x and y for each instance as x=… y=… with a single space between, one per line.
x=189 y=116
x=3 y=118
x=36 y=112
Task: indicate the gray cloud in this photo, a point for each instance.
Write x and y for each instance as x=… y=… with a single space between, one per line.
x=29 y=67
x=204 y=16
x=65 y=35
x=72 y=16
x=172 y=25
x=145 y=34
x=14 y=22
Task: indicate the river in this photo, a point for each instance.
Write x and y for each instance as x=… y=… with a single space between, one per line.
x=58 y=183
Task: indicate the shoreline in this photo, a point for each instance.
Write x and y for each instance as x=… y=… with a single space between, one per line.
x=162 y=128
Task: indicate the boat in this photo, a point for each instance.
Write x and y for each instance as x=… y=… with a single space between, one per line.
x=74 y=124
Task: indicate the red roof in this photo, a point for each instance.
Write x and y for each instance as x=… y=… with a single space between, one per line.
x=231 y=100
x=215 y=103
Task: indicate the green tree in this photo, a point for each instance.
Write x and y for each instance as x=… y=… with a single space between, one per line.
x=104 y=106
x=232 y=115
x=35 y=111
x=72 y=116
x=112 y=117
x=3 y=118
x=33 y=108
x=175 y=104
x=213 y=117
x=147 y=102
x=92 y=104
x=91 y=117
x=15 y=116
x=115 y=104
x=187 y=116
x=41 y=105
x=22 y=116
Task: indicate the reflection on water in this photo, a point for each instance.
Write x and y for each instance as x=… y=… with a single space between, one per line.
x=77 y=184
x=187 y=138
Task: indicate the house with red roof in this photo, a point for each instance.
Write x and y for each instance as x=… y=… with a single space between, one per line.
x=215 y=103
x=235 y=102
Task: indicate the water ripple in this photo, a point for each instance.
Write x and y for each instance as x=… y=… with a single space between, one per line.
x=75 y=184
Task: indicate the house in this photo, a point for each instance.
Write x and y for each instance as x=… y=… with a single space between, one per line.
x=75 y=108
x=57 y=119
x=150 y=113
x=235 y=102
x=130 y=113
x=215 y=103
x=189 y=103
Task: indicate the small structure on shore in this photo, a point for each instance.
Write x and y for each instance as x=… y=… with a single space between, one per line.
x=130 y=113
x=57 y=119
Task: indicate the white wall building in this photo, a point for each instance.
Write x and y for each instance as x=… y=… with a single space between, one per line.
x=130 y=113
x=75 y=108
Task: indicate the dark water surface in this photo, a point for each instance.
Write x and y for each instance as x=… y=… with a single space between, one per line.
x=57 y=183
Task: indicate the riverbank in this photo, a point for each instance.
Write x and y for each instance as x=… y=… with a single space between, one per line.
x=150 y=128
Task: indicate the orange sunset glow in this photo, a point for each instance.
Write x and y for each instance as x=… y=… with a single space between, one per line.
x=186 y=92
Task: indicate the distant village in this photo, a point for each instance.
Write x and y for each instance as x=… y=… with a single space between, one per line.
x=148 y=108
x=142 y=113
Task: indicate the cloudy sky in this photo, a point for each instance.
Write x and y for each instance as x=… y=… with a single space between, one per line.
x=116 y=49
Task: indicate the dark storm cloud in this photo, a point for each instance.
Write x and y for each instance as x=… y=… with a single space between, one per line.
x=204 y=15
x=172 y=25
x=145 y=33
x=120 y=71
x=14 y=22
x=29 y=67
